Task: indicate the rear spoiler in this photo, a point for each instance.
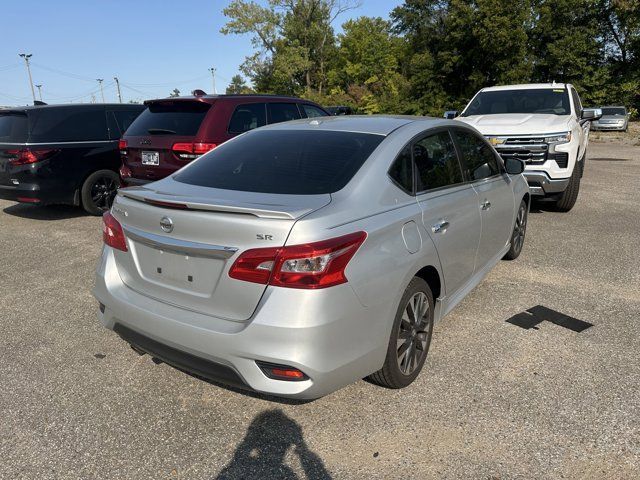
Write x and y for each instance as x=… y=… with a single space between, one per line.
x=152 y=197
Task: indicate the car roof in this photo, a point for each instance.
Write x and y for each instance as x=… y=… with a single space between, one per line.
x=525 y=86
x=213 y=98
x=373 y=124
x=79 y=106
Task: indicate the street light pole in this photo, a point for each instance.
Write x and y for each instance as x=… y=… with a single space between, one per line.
x=213 y=78
x=39 y=87
x=118 y=87
x=26 y=57
x=100 y=80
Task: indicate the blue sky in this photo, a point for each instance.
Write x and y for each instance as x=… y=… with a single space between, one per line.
x=152 y=46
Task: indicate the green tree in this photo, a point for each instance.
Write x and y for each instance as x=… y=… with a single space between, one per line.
x=174 y=93
x=237 y=86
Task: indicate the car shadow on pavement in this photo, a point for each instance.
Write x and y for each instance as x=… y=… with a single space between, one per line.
x=48 y=212
x=262 y=452
x=532 y=317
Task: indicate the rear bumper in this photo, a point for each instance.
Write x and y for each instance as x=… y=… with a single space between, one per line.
x=327 y=334
x=540 y=184
x=34 y=193
x=134 y=182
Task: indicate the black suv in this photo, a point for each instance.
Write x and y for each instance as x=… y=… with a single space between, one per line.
x=63 y=154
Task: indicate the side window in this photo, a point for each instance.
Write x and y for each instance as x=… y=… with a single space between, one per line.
x=436 y=162
x=478 y=157
x=69 y=125
x=282 y=112
x=310 y=111
x=247 y=117
x=577 y=104
x=402 y=170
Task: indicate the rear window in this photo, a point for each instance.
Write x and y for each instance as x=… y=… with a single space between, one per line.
x=13 y=128
x=296 y=162
x=68 y=125
x=170 y=118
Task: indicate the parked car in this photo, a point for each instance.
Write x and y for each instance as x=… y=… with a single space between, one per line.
x=544 y=125
x=174 y=131
x=300 y=257
x=613 y=118
x=63 y=154
x=339 y=110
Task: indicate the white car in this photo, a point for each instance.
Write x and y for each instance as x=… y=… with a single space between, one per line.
x=543 y=124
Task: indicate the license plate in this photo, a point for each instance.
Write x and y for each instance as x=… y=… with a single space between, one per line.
x=150 y=158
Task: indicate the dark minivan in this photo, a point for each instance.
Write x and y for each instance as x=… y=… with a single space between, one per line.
x=174 y=131
x=63 y=154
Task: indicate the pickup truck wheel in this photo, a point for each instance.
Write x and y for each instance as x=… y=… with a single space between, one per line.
x=570 y=195
x=98 y=191
x=519 y=231
x=410 y=337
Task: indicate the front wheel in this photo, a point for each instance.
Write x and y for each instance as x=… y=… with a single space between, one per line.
x=410 y=337
x=570 y=195
x=519 y=231
x=99 y=190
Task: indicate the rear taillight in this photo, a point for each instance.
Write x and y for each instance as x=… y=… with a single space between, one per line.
x=122 y=146
x=112 y=232
x=189 y=151
x=26 y=156
x=312 y=265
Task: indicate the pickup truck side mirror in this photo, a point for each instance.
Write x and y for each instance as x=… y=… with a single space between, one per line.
x=450 y=114
x=591 y=114
x=514 y=166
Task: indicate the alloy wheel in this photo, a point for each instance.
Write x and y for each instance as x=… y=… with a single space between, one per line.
x=103 y=191
x=520 y=228
x=413 y=334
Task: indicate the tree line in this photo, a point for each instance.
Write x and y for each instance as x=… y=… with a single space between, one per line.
x=433 y=55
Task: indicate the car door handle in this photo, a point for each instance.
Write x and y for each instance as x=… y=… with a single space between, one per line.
x=440 y=227
x=486 y=205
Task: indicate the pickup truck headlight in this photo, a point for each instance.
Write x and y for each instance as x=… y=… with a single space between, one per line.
x=559 y=138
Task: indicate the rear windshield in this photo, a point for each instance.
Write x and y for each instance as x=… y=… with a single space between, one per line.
x=294 y=162
x=539 y=100
x=170 y=118
x=614 y=111
x=13 y=128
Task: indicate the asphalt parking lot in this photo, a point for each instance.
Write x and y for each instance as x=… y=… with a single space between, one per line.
x=504 y=393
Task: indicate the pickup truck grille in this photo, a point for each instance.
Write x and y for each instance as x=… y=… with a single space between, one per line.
x=533 y=150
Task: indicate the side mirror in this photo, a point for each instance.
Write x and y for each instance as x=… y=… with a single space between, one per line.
x=450 y=114
x=591 y=114
x=514 y=166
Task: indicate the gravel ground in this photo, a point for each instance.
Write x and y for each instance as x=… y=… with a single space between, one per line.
x=494 y=401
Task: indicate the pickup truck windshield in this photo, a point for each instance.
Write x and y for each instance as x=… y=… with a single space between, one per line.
x=540 y=100
x=614 y=111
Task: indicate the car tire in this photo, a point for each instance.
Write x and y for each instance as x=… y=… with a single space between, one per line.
x=570 y=195
x=519 y=232
x=414 y=336
x=98 y=191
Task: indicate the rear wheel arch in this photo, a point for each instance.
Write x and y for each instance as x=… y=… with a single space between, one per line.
x=431 y=275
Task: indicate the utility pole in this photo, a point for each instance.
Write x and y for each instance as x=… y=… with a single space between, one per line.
x=213 y=78
x=26 y=57
x=118 y=87
x=39 y=87
x=100 y=80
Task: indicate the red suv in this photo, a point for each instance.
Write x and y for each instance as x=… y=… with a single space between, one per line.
x=171 y=132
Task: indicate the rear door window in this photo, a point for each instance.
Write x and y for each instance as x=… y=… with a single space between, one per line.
x=170 y=118
x=310 y=111
x=283 y=161
x=14 y=128
x=478 y=157
x=247 y=117
x=282 y=112
x=68 y=125
x=436 y=162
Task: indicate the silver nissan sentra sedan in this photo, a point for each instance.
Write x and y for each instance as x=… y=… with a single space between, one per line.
x=300 y=257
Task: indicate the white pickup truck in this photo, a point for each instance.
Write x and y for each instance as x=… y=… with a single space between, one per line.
x=543 y=124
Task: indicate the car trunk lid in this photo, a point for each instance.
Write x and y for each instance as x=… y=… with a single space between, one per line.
x=181 y=245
